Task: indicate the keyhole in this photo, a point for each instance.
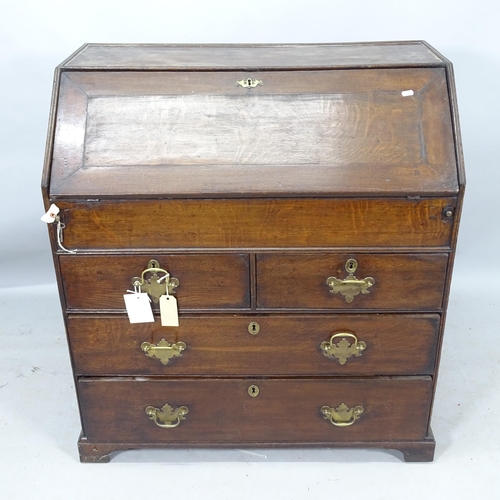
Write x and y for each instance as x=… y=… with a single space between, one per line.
x=253 y=328
x=351 y=265
x=249 y=81
x=253 y=391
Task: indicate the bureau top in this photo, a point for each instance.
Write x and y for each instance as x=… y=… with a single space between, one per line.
x=184 y=121
x=288 y=56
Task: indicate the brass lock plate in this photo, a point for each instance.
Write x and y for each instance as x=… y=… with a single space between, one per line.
x=157 y=283
x=350 y=286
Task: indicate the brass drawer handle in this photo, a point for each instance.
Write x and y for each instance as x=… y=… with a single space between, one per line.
x=350 y=287
x=343 y=350
x=164 y=351
x=156 y=286
x=167 y=417
x=342 y=416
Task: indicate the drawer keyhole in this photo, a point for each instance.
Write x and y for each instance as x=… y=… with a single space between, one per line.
x=253 y=391
x=351 y=265
x=254 y=328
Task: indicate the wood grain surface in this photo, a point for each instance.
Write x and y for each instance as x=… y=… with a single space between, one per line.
x=206 y=281
x=209 y=56
x=284 y=411
x=256 y=223
x=285 y=345
x=323 y=132
x=404 y=282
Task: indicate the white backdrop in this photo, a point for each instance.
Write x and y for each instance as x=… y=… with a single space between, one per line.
x=38 y=414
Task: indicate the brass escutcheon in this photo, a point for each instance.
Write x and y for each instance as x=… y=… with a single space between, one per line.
x=167 y=417
x=253 y=391
x=343 y=350
x=351 y=265
x=350 y=287
x=253 y=328
x=249 y=83
x=164 y=351
x=342 y=416
x=156 y=286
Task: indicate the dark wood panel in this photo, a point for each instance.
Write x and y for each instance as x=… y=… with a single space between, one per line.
x=406 y=282
x=284 y=411
x=222 y=345
x=246 y=56
x=255 y=223
x=215 y=83
x=420 y=450
x=324 y=132
x=206 y=280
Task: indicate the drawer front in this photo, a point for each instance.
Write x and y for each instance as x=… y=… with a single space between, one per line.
x=401 y=281
x=284 y=411
x=257 y=223
x=207 y=281
x=301 y=345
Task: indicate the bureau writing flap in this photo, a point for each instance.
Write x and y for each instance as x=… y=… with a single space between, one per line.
x=326 y=132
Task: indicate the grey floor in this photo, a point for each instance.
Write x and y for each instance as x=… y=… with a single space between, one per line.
x=39 y=426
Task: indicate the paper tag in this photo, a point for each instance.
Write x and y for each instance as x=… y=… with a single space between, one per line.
x=138 y=308
x=51 y=214
x=168 y=311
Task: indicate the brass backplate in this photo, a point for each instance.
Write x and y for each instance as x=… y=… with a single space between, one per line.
x=164 y=351
x=342 y=416
x=350 y=286
x=342 y=350
x=158 y=283
x=167 y=417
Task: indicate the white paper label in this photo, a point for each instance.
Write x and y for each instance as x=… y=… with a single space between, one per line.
x=51 y=214
x=168 y=311
x=138 y=308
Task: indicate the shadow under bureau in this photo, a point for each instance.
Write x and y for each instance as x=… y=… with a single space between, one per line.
x=293 y=209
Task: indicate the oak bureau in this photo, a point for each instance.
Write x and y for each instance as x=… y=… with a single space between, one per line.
x=294 y=209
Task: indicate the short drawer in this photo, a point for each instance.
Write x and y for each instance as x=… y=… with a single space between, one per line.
x=207 y=281
x=207 y=411
x=408 y=282
x=342 y=344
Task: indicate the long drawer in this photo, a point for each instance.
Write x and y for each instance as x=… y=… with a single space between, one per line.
x=398 y=281
x=206 y=411
x=342 y=344
x=257 y=223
